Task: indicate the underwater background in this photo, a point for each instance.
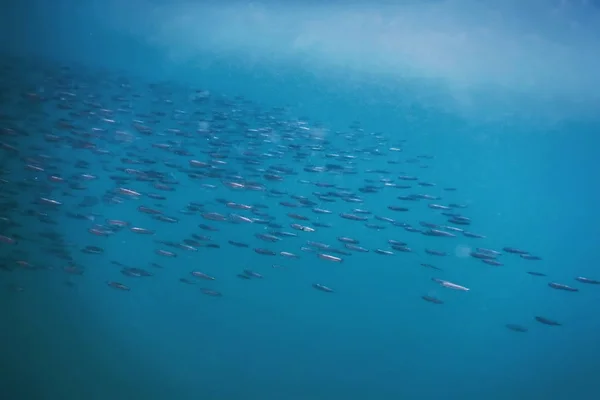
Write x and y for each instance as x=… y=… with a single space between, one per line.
x=501 y=98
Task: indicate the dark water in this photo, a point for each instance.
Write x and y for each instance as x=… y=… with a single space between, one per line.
x=512 y=128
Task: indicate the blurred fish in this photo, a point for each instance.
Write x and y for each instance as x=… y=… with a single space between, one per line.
x=107 y=167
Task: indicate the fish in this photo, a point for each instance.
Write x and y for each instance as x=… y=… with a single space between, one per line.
x=211 y=292
x=534 y=273
x=118 y=285
x=491 y=261
x=473 y=235
x=432 y=299
x=514 y=250
x=516 y=328
x=431 y=266
x=450 y=285
x=547 y=321
x=252 y=274
x=561 y=286
x=202 y=275
x=322 y=288
x=329 y=257
x=530 y=257
x=436 y=252
x=135 y=272
x=588 y=280
x=112 y=170
x=439 y=233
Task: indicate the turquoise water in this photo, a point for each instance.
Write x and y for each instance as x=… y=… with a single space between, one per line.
x=521 y=150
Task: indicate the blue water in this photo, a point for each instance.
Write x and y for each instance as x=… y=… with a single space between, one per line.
x=520 y=142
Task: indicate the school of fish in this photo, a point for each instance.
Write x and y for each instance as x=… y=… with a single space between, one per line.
x=93 y=147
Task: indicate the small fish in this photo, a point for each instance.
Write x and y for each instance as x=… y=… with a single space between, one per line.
x=92 y=250
x=432 y=299
x=302 y=228
x=516 y=328
x=431 y=266
x=436 y=252
x=329 y=257
x=473 y=235
x=534 y=273
x=118 y=285
x=588 y=280
x=135 y=272
x=322 y=288
x=383 y=252
x=514 y=250
x=560 y=286
x=530 y=257
x=547 y=321
x=349 y=240
x=264 y=252
x=252 y=274
x=450 y=285
x=210 y=292
x=489 y=252
x=202 y=275
x=356 y=248
x=492 y=262
x=438 y=233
